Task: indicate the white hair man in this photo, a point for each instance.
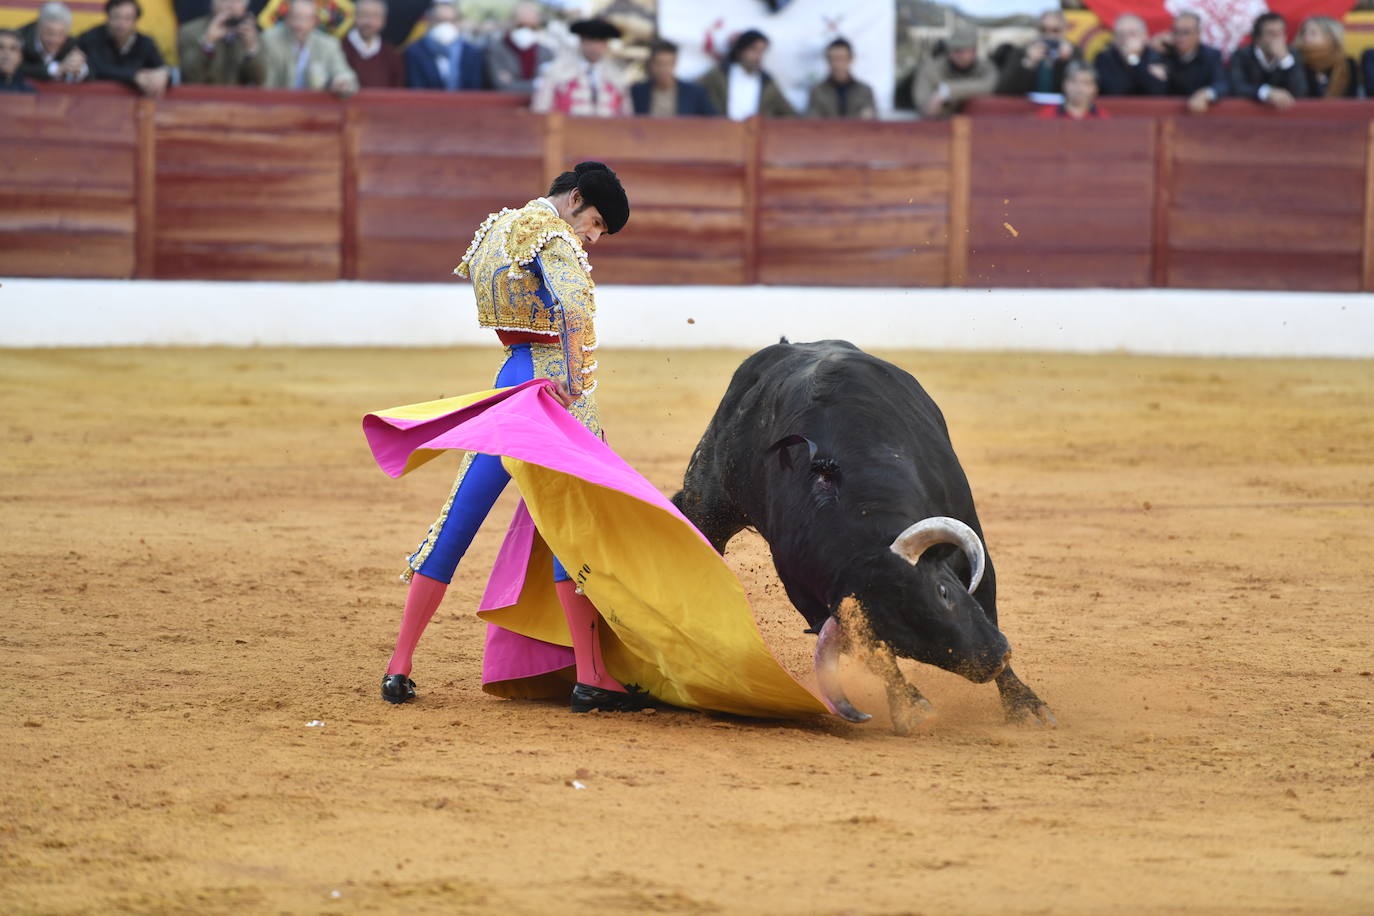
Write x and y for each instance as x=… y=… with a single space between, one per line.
x=50 y=52
x=301 y=56
x=1129 y=66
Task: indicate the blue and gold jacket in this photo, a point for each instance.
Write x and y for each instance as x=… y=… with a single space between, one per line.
x=531 y=274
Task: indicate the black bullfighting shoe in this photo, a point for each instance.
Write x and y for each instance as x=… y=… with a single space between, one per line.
x=586 y=698
x=397 y=688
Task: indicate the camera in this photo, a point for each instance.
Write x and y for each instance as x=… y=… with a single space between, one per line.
x=1051 y=47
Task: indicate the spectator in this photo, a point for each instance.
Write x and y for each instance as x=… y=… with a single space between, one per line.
x=1367 y=70
x=839 y=95
x=374 y=60
x=1129 y=66
x=300 y=56
x=740 y=87
x=1194 y=69
x=118 y=51
x=441 y=59
x=663 y=95
x=1329 y=73
x=585 y=82
x=11 y=57
x=943 y=83
x=515 y=58
x=1080 y=96
x=1266 y=70
x=221 y=49
x=1040 y=65
x=50 y=52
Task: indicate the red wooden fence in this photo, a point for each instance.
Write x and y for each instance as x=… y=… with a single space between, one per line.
x=242 y=184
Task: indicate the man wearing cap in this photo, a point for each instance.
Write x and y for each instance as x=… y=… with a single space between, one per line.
x=587 y=82
x=532 y=282
x=944 y=82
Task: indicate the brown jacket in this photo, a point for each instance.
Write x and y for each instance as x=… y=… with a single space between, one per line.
x=825 y=101
x=772 y=103
x=980 y=79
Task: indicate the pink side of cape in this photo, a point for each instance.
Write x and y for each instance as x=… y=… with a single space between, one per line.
x=519 y=422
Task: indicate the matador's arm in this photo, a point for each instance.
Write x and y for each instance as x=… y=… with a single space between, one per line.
x=567 y=280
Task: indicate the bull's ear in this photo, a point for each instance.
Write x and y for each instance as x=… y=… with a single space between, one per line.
x=785 y=443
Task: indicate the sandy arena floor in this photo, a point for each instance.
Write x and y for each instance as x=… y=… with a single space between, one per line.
x=199 y=557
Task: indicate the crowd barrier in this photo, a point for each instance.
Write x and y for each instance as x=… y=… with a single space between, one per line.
x=389 y=186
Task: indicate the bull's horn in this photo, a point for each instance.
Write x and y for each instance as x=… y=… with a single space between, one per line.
x=828 y=647
x=940 y=529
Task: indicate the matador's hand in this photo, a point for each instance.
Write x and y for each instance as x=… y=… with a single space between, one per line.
x=562 y=394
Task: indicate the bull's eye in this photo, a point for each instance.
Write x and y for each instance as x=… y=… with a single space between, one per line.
x=944 y=594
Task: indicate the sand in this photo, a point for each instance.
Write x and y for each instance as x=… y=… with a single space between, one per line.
x=199 y=558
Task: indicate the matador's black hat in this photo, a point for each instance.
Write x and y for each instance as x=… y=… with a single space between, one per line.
x=594 y=28
x=602 y=189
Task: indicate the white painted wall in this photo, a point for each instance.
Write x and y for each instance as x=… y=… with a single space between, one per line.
x=49 y=313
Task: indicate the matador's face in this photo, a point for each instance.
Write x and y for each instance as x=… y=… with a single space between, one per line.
x=585 y=219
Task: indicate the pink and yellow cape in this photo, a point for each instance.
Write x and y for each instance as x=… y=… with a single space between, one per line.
x=679 y=624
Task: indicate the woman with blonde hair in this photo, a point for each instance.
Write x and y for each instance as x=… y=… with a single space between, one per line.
x=1330 y=74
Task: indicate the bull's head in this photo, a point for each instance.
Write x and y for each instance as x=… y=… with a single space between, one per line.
x=919 y=606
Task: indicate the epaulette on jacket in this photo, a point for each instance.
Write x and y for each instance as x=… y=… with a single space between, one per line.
x=522 y=237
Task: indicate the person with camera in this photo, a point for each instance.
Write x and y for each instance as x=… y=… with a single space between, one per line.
x=1266 y=70
x=221 y=49
x=1039 y=66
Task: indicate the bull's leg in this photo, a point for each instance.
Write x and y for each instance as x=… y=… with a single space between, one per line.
x=1020 y=702
x=907 y=706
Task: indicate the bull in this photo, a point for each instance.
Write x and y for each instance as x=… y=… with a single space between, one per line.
x=844 y=465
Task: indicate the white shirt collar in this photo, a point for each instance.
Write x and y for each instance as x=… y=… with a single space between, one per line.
x=548 y=203
x=365 y=50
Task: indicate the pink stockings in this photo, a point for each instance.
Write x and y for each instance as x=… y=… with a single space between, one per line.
x=584 y=622
x=421 y=602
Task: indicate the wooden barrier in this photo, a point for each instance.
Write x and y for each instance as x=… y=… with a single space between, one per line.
x=389 y=185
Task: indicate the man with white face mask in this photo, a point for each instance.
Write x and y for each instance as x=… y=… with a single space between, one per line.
x=442 y=59
x=515 y=58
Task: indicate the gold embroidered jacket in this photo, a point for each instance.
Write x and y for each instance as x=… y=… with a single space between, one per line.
x=530 y=273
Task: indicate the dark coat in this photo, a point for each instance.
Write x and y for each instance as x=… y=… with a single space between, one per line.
x=15 y=83
x=1367 y=70
x=691 y=99
x=1018 y=79
x=423 y=73
x=107 y=62
x=1247 y=76
x=772 y=103
x=1204 y=71
x=1116 y=75
x=33 y=67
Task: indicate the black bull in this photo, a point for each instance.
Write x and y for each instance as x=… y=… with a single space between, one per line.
x=844 y=464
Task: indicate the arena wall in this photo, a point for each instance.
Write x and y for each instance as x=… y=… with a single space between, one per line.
x=86 y=313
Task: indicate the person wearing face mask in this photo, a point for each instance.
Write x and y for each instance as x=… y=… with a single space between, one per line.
x=532 y=283
x=587 y=81
x=515 y=57
x=375 y=60
x=441 y=59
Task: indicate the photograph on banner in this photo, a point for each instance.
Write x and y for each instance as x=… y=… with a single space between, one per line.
x=797 y=33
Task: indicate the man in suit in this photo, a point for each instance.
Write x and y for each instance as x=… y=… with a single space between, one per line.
x=50 y=52
x=442 y=59
x=1129 y=66
x=1194 y=70
x=223 y=48
x=300 y=56
x=118 y=51
x=515 y=57
x=1266 y=70
x=663 y=95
